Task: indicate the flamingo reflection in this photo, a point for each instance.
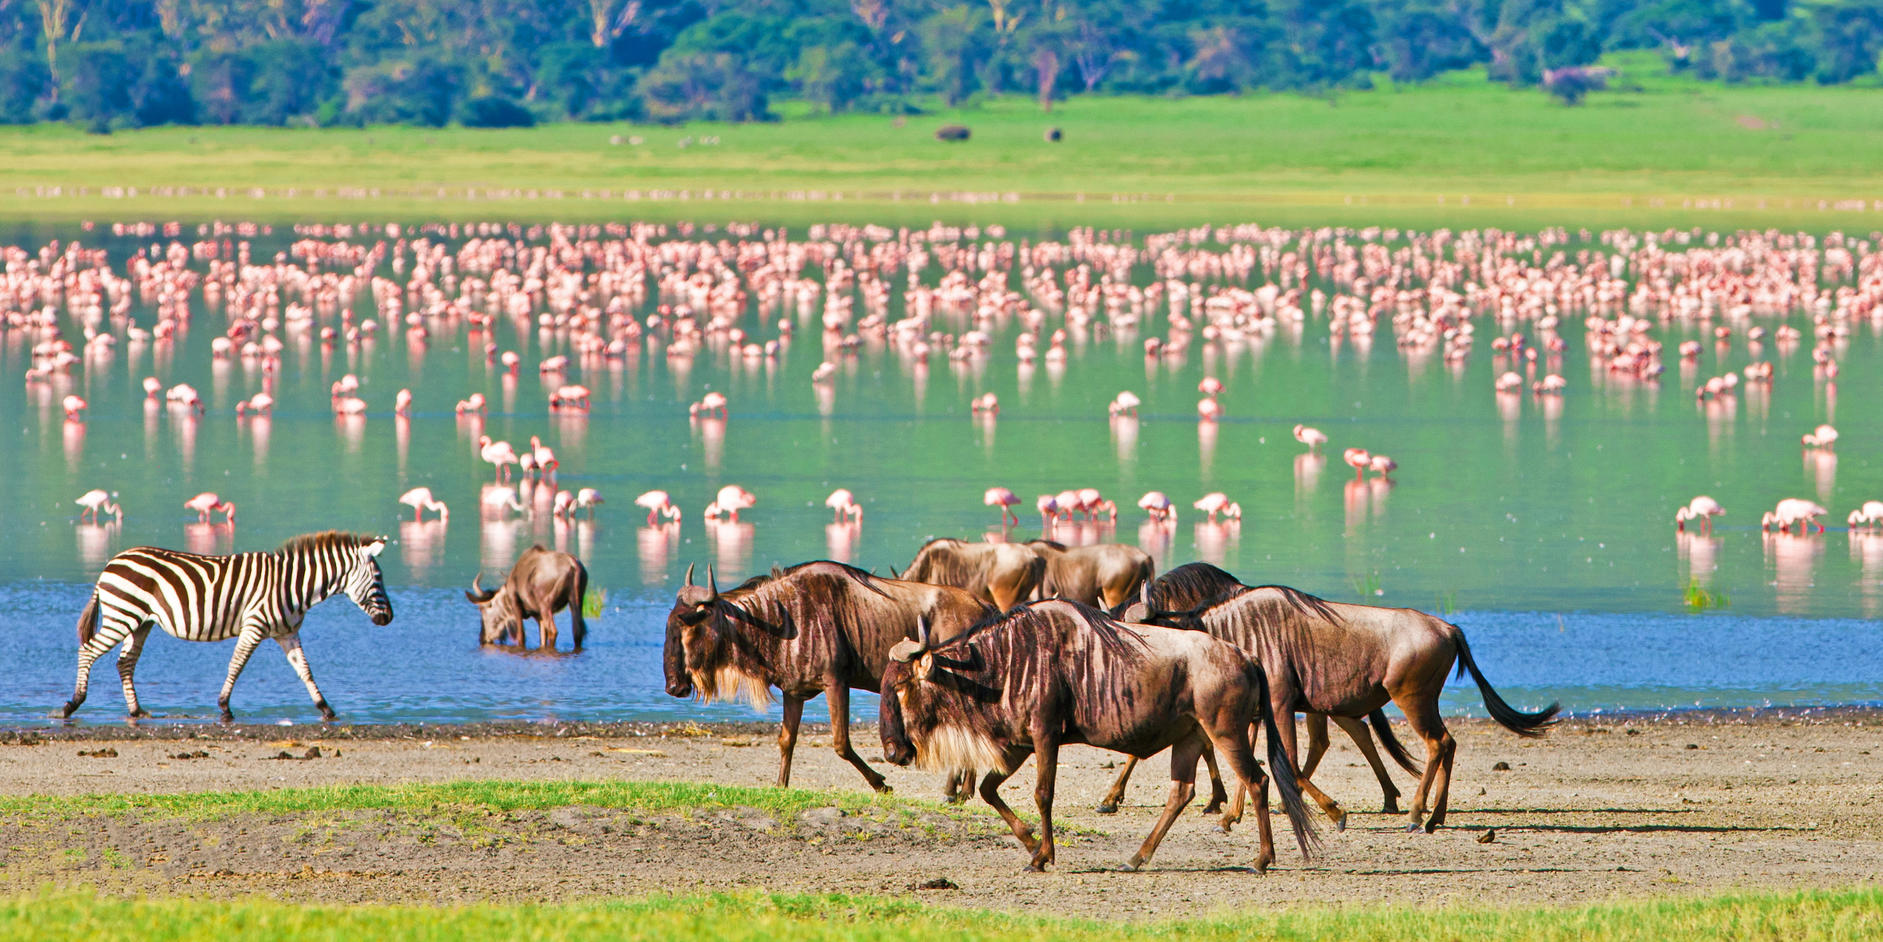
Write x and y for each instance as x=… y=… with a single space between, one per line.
x=421 y=544
x=1213 y=539
x=1699 y=556
x=840 y=539
x=95 y=541
x=209 y=538
x=731 y=543
x=1794 y=560
x=656 y=546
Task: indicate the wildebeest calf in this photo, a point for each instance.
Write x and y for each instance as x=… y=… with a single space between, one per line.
x=1058 y=672
x=542 y=583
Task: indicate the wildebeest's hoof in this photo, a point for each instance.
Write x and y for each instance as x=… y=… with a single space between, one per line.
x=1106 y=807
x=1033 y=868
x=1129 y=866
x=1340 y=820
x=1214 y=807
x=1431 y=826
x=1390 y=807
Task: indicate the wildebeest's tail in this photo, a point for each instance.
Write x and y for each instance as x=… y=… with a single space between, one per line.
x=1507 y=716
x=1282 y=769
x=88 y=621
x=1390 y=742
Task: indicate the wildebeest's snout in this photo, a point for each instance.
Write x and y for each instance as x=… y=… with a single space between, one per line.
x=682 y=687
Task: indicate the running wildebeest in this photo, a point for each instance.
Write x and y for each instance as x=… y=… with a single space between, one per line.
x=541 y=583
x=1196 y=586
x=1349 y=660
x=1057 y=673
x=1104 y=576
x=818 y=627
x=1002 y=573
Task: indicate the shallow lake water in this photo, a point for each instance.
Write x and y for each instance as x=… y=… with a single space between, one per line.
x=1541 y=524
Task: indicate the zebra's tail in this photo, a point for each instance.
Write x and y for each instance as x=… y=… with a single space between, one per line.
x=88 y=621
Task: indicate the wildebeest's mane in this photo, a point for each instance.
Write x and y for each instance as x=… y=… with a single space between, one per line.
x=1301 y=602
x=960 y=652
x=325 y=539
x=1202 y=581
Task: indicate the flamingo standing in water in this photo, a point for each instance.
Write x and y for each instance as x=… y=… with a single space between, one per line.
x=1217 y=503
x=1210 y=387
x=732 y=499
x=98 y=499
x=153 y=388
x=474 y=403
x=208 y=503
x=1049 y=509
x=402 y=403
x=1359 y=460
x=1312 y=437
x=1384 y=466
x=1125 y=404
x=587 y=499
x=545 y=458
x=420 y=500
x=73 y=406
x=1158 y=506
x=987 y=403
x=1790 y=511
x=844 y=505
x=657 y=504
x=497 y=453
x=1824 y=436
x=1094 y=503
x=1701 y=508
x=1005 y=500
x=1867 y=516
x=711 y=404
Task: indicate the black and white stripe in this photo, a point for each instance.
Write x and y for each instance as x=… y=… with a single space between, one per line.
x=247 y=596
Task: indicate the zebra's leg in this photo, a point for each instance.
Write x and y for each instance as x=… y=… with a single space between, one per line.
x=127 y=666
x=88 y=653
x=291 y=646
x=244 y=647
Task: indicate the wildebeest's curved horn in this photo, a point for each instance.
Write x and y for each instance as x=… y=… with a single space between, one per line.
x=921 y=632
x=712 y=584
x=478 y=593
x=690 y=573
x=904 y=651
x=893 y=574
x=1144 y=593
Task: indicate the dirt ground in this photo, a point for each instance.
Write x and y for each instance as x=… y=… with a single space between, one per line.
x=1600 y=808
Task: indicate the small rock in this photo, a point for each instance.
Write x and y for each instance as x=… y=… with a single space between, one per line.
x=1488 y=836
x=1501 y=767
x=198 y=754
x=822 y=817
x=1480 y=789
x=936 y=883
x=313 y=752
x=1693 y=745
x=105 y=753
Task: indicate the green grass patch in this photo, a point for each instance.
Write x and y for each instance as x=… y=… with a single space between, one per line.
x=1699 y=598
x=1794 y=917
x=458 y=797
x=1457 y=151
x=593 y=602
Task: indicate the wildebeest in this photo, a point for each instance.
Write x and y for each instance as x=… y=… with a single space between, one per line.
x=818 y=627
x=1349 y=660
x=542 y=583
x=1002 y=573
x=1056 y=673
x=1196 y=586
x=1104 y=576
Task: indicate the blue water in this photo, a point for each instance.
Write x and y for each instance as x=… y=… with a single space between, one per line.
x=426 y=667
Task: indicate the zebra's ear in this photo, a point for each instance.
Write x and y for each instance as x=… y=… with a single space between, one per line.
x=375 y=547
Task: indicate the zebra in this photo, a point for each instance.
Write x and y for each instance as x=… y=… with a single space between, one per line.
x=246 y=596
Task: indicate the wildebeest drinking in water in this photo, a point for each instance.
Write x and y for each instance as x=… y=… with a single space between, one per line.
x=1055 y=673
x=1002 y=573
x=1104 y=576
x=818 y=627
x=1349 y=660
x=542 y=583
x=1196 y=586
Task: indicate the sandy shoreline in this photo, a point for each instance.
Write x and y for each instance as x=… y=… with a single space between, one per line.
x=1605 y=807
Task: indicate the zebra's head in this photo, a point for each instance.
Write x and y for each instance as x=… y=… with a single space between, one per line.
x=366 y=585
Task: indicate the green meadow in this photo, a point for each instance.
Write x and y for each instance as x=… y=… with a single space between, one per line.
x=1459 y=151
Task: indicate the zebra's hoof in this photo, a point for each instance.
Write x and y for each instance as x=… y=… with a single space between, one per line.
x=228 y=719
x=139 y=714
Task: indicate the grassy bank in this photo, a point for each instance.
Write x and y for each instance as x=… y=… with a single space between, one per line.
x=1846 y=914
x=1458 y=151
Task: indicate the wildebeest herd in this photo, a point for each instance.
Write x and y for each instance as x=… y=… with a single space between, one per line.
x=982 y=653
x=986 y=653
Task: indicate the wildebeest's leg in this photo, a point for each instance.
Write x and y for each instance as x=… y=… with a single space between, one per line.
x=788 y=737
x=291 y=646
x=1439 y=746
x=1217 y=795
x=1316 y=725
x=1183 y=756
x=958 y=787
x=1109 y=804
x=990 y=793
x=546 y=630
x=127 y=666
x=838 y=696
x=578 y=625
x=1231 y=742
x=1357 y=731
x=1285 y=723
x=1046 y=769
x=244 y=647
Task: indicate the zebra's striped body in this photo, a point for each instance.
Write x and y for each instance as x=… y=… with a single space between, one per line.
x=248 y=596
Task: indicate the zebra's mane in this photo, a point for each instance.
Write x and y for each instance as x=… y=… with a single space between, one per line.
x=325 y=540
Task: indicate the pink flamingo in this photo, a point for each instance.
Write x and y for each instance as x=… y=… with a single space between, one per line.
x=545 y=458
x=185 y=395
x=844 y=505
x=1125 y=404
x=1793 y=510
x=732 y=499
x=97 y=499
x=1216 y=503
x=261 y=404
x=1208 y=410
x=555 y=364
x=1210 y=387
x=472 y=403
x=1824 y=436
x=987 y=403
x=497 y=453
x=420 y=500
x=1701 y=508
x=1312 y=437
x=1049 y=509
x=349 y=405
x=1384 y=466
x=402 y=403
x=1158 y=507
x=1359 y=460
x=510 y=361
x=1068 y=503
x=1094 y=503
x=564 y=507
x=587 y=499
x=73 y=406
x=657 y=504
x=571 y=397
x=153 y=388
x=712 y=403
x=208 y=503
x=1005 y=500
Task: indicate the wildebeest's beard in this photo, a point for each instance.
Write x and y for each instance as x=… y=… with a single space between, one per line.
x=926 y=715
x=501 y=620
x=716 y=666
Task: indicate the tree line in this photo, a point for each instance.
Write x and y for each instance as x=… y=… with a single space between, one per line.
x=124 y=63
